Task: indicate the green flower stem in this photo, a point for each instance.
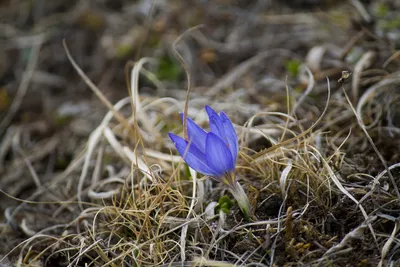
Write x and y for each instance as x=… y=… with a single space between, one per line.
x=238 y=193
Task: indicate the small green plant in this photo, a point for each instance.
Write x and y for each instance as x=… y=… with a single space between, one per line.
x=292 y=67
x=168 y=69
x=225 y=204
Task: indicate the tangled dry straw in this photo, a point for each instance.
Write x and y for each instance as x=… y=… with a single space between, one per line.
x=144 y=207
x=318 y=158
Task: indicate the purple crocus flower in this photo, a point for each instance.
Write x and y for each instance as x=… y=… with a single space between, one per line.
x=211 y=153
x=214 y=153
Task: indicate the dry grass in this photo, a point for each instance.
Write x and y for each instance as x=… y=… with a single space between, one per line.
x=318 y=160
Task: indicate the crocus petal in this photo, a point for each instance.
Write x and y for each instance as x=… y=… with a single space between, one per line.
x=230 y=134
x=218 y=156
x=196 y=135
x=192 y=156
x=216 y=125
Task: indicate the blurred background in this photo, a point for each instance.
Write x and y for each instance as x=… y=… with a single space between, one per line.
x=103 y=36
